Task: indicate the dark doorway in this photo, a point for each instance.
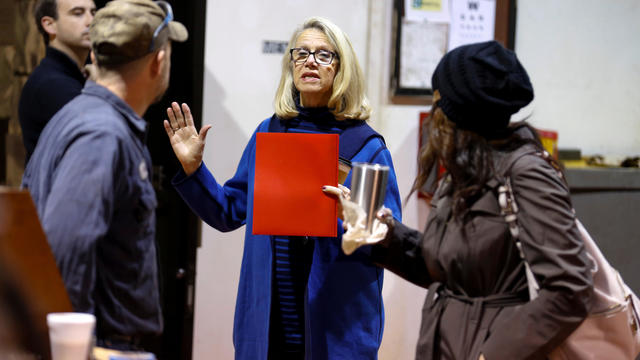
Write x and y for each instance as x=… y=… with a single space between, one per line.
x=177 y=229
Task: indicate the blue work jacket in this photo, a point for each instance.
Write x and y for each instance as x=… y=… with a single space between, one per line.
x=90 y=179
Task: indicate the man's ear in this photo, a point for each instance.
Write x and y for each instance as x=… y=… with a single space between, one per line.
x=158 y=62
x=49 y=25
x=91 y=70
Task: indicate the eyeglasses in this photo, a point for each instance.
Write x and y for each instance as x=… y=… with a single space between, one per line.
x=321 y=57
x=168 y=18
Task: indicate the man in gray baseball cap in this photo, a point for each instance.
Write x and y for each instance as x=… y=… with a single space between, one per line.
x=126 y=30
x=90 y=174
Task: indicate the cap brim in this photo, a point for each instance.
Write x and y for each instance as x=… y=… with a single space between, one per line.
x=177 y=32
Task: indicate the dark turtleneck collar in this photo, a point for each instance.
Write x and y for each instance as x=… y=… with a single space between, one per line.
x=320 y=116
x=314 y=114
x=63 y=63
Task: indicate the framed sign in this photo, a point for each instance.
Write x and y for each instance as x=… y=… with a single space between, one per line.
x=424 y=30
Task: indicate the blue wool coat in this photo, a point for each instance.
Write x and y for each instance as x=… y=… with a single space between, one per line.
x=344 y=313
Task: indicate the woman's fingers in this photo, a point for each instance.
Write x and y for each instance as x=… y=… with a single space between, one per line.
x=187 y=114
x=180 y=116
x=346 y=192
x=332 y=190
x=180 y=123
x=203 y=132
x=341 y=191
x=339 y=195
x=344 y=188
x=173 y=123
x=167 y=128
x=385 y=216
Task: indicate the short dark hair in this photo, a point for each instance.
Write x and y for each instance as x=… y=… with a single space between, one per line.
x=45 y=8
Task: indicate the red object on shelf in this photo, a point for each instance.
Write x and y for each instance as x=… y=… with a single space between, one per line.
x=289 y=174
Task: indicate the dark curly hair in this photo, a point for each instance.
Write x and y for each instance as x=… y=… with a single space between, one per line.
x=45 y=8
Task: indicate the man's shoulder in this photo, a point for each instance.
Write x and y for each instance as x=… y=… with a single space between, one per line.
x=35 y=80
x=53 y=76
x=57 y=66
x=90 y=114
x=51 y=81
x=43 y=95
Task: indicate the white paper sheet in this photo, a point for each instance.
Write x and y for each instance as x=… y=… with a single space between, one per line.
x=427 y=10
x=422 y=46
x=472 y=21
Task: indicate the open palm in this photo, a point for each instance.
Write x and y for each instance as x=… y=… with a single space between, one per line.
x=187 y=143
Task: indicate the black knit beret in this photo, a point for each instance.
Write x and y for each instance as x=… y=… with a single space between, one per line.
x=481 y=85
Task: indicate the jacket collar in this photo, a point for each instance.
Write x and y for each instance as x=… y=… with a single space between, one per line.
x=62 y=61
x=138 y=124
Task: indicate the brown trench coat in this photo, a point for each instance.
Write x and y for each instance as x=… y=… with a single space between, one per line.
x=478 y=300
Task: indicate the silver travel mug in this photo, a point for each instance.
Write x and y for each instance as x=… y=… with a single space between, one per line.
x=368 y=188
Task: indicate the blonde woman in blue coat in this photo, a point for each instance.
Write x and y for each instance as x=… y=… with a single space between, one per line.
x=298 y=298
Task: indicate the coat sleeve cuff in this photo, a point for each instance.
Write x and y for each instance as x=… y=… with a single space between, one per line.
x=181 y=176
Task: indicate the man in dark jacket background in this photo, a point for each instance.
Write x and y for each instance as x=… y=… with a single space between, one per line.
x=64 y=25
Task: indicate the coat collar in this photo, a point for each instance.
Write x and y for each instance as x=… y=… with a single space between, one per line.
x=138 y=124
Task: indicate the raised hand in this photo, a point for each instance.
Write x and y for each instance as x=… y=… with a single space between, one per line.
x=187 y=143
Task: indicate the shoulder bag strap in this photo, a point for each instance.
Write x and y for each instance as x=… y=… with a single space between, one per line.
x=509 y=209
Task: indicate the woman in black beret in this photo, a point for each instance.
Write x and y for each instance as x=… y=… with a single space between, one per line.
x=478 y=305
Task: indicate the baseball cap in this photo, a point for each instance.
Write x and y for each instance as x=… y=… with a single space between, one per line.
x=125 y=30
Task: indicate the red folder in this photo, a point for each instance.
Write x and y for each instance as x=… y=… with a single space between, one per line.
x=289 y=174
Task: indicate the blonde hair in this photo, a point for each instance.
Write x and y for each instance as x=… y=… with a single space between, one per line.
x=348 y=100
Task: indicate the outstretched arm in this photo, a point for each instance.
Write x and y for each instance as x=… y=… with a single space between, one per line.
x=187 y=143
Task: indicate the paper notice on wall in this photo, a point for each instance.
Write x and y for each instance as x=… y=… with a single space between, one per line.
x=274 y=46
x=427 y=10
x=472 y=21
x=422 y=46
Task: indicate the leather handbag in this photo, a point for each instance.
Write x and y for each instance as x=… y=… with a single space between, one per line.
x=610 y=330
